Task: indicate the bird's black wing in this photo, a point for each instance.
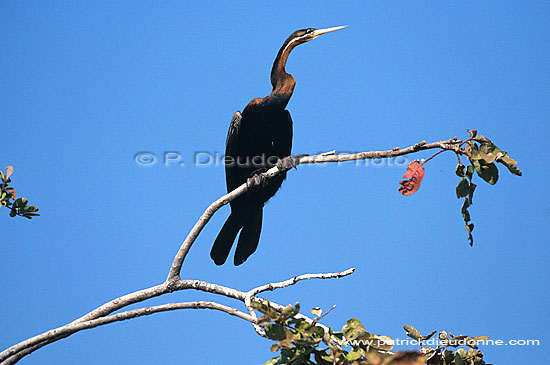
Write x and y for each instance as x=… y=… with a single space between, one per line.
x=233 y=134
x=226 y=237
x=232 y=175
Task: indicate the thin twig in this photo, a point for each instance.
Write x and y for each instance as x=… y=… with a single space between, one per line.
x=317 y=319
x=294 y=280
x=250 y=295
x=435 y=154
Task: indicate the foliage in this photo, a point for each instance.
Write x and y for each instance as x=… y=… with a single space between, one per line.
x=9 y=199
x=304 y=342
x=482 y=154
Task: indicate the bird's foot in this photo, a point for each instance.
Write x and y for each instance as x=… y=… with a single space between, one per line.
x=256 y=181
x=289 y=162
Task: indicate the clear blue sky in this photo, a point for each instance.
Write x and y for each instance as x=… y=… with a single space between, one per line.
x=85 y=87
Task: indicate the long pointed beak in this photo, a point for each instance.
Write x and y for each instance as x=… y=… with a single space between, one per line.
x=318 y=32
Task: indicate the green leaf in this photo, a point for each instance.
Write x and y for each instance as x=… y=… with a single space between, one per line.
x=487 y=157
x=275 y=331
x=29 y=209
x=412 y=332
x=317 y=331
x=306 y=339
x=459 y=360
x=288 y=355
x=448 y=356
x=463 y=188
x=474 y=153
x=354 y=330
x=470 y=228
x=285 y=344
x=20 y=203
x=322 y=358
x=480 y=138
x=30 y=215
x=265 y=308
x=353 y=355
x=489 y=152
x=264 y=319
x=461 y=352
x=459 y=171
x=465 y=212
x=288 y=311
x=275 y=360
x=487 y=172
x=296 y=355
x=509 y=163
x=382 y=343
x=472 y=341
x=471 y=195
x=470 y=171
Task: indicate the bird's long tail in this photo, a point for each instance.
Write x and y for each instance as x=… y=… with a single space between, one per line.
x=250 y=235
x=226 y=237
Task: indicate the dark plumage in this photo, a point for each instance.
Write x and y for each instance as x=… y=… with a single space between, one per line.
x=257 y=138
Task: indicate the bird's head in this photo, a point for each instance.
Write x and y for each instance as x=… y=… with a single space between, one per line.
x=279 y=77
x=305 y=35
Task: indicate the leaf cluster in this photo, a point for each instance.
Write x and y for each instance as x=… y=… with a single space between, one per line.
x=440 y=355
x=482 y=154
x=9 y=199
x=303 y=342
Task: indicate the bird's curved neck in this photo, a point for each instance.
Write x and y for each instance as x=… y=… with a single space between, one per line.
x=283 y=82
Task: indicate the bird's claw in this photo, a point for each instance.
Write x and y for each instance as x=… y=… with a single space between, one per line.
x=256 y=181
x=289 y=162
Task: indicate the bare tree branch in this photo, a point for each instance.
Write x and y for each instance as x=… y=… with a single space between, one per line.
x=451 y=145
x=67 y=330
x=121 y=302
x=294 y=280
x=155 y=291
x=283 y=284
x=99 y=316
